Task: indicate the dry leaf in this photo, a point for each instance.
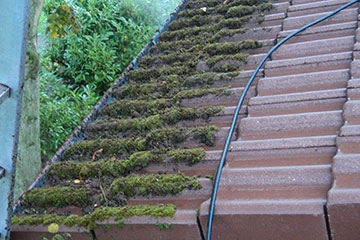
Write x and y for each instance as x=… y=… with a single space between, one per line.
x=98 y=151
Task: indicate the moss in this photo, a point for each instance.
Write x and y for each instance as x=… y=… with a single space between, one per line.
x=57 y=197
x=113 y=167
x=195 y=12
x=230 y=48
x=209 y=78
x=201 y=3
x=219 y=8
x=134 y=108
x=193 y=93
x=190 y=156
x=205 y=134
x=266 y=7
x=155 y=90
x=235 y=23
x=242 y=57
x=154 y=184
x=171 y=137
x=117 y=167
x=117 y=147
x=209 y=177
x=189 y=32
x=200 y=79
x=174 y=115
x=146 y=75
x=194 y=21
x=156 y=139
x=111 y=127
x=227 y=33
x=174 y=45
x=168 y=59
x=100 y=214
x=227 y=67
x=240 y=11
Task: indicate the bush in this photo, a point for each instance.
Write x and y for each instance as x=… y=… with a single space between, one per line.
x=62 y=109
x=78 y=67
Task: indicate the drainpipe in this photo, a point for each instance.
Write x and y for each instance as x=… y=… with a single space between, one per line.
x=13 y=36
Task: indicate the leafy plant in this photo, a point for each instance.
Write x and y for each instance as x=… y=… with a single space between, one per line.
x=79 y=64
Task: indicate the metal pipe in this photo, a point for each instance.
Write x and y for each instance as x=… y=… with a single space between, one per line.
x=227 y=144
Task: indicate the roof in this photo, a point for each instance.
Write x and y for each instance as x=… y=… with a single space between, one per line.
x=143 y=167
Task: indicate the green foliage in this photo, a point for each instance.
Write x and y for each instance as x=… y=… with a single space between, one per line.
x=79 y=64
x=61 y=110
x=112 y=33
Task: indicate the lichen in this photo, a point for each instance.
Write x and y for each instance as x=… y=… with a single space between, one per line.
x=154 y=184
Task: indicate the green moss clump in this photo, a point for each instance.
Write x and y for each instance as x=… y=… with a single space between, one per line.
x=194 y=21
x=240 y=11
x=57 y=197
x=242 y=57
x=156 y=139
x=230 y=48
x=174 y=45
x=109 y=128
x=189 y=32
x=235 y=23
x=193 y=93
x=227 y=33
x=116 y=167
x=135 y=108
x=117 y=147
x=99 y=215
x=174 y=115
x=198 y=3
x=167 y=59
x=144 y=75
x=205 y=134
x=113 y=167
x=149 y=90
x=190 y=156
x=266 y=7
x=227 y=67
x=156 y=184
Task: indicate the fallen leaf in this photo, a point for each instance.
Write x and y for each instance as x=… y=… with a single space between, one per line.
x=98 y=151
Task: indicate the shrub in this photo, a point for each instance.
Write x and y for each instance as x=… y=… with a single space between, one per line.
x=78 y=67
